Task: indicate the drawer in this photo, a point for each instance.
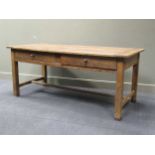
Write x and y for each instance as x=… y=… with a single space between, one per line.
x=38 y=58
x=88 y=62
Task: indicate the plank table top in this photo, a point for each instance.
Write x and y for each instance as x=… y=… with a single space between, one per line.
x=98 y=51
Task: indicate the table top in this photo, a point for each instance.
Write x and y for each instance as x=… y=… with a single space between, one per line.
x=80 y=50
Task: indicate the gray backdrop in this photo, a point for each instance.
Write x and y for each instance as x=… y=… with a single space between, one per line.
x=122 y=33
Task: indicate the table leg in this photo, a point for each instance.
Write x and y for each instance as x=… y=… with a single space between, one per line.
x=135 y=81
x=15 y=76
x=44 y=73
x=119 y=90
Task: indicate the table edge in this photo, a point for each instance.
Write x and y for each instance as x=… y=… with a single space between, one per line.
x=93 y=55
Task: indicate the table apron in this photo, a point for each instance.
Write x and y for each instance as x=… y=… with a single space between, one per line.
x=63 y=60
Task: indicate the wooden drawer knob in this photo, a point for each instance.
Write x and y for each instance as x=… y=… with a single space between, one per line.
x=85 y=61
x=32 y=55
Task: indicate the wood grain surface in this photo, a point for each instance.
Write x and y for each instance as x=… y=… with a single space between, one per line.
x=80 y=50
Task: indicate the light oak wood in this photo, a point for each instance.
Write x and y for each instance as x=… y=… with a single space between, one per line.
x=88 y=62
x=135 y=80
x=131 y=61
x=127 y=99
x=15 y=75
x=80 y=50
x=37 y=58
x=79 y=57
x=119 y=89
x=57 y=60
x=30 y=81
x=44 y=73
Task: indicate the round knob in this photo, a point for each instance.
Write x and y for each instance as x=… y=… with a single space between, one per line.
x=85 y=61
x=32 y=55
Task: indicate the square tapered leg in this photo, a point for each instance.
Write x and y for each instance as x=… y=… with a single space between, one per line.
x=119 y=90
x=15 y=76
x=135 y=81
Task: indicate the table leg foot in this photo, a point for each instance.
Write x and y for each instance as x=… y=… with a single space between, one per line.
x=118 y=118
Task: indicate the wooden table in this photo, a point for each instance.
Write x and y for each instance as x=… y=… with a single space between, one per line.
x=80 y=57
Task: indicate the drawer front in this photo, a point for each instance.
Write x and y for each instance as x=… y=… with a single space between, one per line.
x=38 y=58
x=88 y=62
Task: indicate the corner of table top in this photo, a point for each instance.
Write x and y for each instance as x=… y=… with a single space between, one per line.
x=9 y=46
